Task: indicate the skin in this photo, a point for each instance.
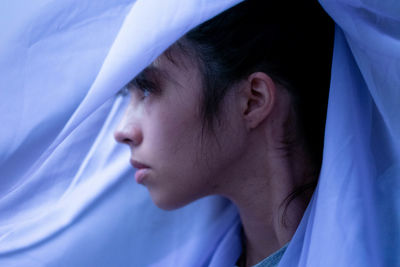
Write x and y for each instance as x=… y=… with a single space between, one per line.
x=242 y=160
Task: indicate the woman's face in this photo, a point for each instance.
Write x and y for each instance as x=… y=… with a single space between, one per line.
x=163 y=127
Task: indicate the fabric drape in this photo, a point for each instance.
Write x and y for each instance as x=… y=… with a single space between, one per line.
x=67 y=195
x=353 y=217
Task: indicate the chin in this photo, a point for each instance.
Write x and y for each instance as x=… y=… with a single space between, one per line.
x=168 y=203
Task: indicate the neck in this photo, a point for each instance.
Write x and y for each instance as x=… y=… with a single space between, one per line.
x=264 y=232
x=260 y=197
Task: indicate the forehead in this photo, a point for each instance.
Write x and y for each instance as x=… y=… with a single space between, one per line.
x=176 y=65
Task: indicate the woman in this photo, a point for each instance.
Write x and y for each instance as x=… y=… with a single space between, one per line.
x=236 y=107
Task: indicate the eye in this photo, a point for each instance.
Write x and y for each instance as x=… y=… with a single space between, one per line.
x=124 y=91
x=145 y=91
x=143 y=86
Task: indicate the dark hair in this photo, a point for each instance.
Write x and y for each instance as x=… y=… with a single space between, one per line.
x=291 y=41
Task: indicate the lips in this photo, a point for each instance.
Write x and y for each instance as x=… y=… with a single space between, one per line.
x=138 y=165
x=141 y=172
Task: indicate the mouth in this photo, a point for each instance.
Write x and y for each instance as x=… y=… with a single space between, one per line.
x=138 y=165
x=141 y=171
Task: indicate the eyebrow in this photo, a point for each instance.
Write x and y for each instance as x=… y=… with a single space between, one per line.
x=153 y=72
x=150 y=70
x=143 y=77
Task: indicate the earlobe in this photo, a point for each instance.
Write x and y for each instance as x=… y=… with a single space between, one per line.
x=259 y=93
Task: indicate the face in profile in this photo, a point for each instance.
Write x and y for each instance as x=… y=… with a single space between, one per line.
x=176 y=159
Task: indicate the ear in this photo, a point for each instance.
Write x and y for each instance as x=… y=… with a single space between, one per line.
x=258 y=98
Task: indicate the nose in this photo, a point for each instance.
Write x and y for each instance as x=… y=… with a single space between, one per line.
x=129 y=131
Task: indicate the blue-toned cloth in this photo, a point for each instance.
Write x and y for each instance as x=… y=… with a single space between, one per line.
x=273 y=259
x=67 y=192
x=353 y=218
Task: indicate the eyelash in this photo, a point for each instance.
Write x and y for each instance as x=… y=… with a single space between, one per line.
x=145 y=86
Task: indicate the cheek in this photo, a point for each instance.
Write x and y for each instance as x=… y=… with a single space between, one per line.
x=187 y=165
x=172 y=132
x=224 y=148
x=174 y=148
